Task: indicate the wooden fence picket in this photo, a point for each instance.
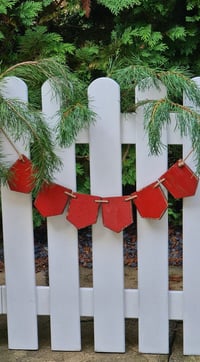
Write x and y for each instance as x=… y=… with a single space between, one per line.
x=18 y=247
x=191 y=265
x=62 y=249
x=152 y=241
x=105 y=169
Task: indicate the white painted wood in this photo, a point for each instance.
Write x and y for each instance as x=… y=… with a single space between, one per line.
x=176 y=305
x=105 y=171
x=43 y=300
x=131 y=302
x=173 y=134
x=152 y=242
x=191 y=264
x=128 y=128
x=63 y=251
x=1 y=299
x=86 y=302
x=83 y=136
x=18 y=247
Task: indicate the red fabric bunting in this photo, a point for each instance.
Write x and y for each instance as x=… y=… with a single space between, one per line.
x=180 y=180
x=51 y=200
x=83 y=210
x=150 y=201
x=117 y=213
x=22 y=176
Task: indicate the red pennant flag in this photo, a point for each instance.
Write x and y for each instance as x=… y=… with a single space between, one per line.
x=22 y=176
x=150 y=201
x=52 y=199
x=117 y=213
x=83 y=210
x=180 y=180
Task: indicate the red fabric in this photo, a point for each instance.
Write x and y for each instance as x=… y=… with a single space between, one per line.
x=51 y=200
x=180 y=181
x=22 y=176
x=83 y=210
x=151 y=201
x=117 y=213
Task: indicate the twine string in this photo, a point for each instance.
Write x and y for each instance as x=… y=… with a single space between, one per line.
x=70 y=194
x=102 y=201
x=189 y=153
x=12 y=144
x=182 y=161
x=132 y=197
x=159 y=182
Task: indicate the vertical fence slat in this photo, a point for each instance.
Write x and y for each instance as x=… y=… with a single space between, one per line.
x=152 y=246
x=19 y=249
x=191 y=264
x=63 y=252
x=105 y=169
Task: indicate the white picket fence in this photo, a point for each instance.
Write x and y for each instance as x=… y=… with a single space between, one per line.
x=108 y=302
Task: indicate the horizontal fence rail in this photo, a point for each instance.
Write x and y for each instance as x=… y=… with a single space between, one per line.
x=108 y=302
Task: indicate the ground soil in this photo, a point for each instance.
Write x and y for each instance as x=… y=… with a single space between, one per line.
x=130 y=278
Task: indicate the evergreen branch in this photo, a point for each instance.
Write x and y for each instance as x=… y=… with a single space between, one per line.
x=135 y=74
x=34 y=73
x=20 y=116
x=70 y=90
x=178 y=82
x=10 y=141
x=155 y=109
x=157 y=115
x=71 y=109
x=73 y=118
x=176 y=106
x=14 y=67
x=22 y=122
x=4 y=166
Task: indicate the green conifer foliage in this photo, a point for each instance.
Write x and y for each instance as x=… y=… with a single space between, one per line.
x=135 y=42
x=25 y=121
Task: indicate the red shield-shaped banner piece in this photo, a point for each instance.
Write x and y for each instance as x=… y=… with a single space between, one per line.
x=150 y=201
x=180 y=180
x=117 y=213
x=83 y=210
x=51 y=200
x=22 y=176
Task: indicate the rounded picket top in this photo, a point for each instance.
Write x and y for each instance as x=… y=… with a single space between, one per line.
x=103 y=81
x=12 y=87
x=105 y=89
x=196 y=80
x=188 y=102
